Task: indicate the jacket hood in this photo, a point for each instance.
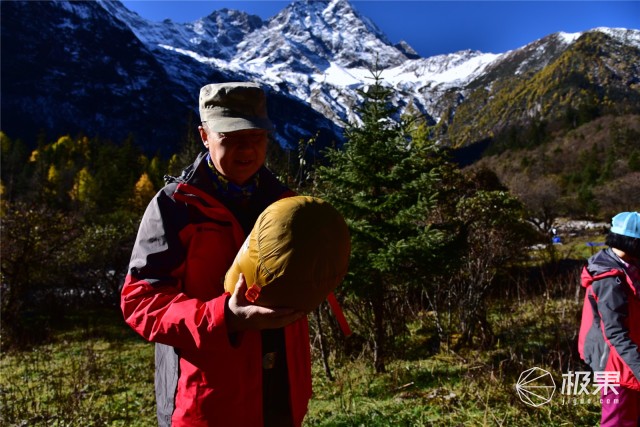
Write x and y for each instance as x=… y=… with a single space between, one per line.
x=189 y=174
x=603 y=261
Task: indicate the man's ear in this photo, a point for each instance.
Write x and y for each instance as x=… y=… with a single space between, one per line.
x=204 y=136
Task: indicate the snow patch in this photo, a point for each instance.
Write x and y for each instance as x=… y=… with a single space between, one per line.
x=568 y=38
x=631 y=37
x=337 y=76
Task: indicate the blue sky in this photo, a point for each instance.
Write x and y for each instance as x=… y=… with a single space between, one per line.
x=438 y=27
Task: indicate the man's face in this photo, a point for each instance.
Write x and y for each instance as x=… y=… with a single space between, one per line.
x=236 y=155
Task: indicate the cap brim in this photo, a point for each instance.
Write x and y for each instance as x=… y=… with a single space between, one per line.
x=233 y=124
x=623 y=232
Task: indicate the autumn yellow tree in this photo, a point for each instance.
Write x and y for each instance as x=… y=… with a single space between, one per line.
x=143 y=192
x=84 y=190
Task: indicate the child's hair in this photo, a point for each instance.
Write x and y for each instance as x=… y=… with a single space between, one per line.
x=629 y=245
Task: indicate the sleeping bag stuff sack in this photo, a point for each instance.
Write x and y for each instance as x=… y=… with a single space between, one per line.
x=296 y=254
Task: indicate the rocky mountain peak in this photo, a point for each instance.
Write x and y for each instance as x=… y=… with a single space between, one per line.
x=308 y=35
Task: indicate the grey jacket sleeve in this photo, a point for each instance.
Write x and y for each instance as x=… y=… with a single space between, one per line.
x=613 y=307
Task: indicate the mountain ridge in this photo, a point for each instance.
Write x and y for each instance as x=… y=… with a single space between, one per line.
x=302 y=57
x=311 y=57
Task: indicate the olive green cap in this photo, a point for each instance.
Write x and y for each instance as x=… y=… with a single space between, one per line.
x=229 y=107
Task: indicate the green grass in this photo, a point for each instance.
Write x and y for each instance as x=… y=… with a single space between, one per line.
x=474 y=388
x=442 y=391
x=96 y=372
x=576 y=247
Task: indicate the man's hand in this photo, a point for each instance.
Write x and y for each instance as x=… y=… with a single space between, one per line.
x=242 y=315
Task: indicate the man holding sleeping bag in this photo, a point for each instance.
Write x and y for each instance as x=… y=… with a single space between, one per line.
x=222 y=360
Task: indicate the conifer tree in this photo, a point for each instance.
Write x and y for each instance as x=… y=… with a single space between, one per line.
x=156 y=171
x=385 y=187
x=13 y=172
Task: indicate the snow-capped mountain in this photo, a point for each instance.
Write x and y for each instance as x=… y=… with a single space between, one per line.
x=322 y=51
x=312 y=57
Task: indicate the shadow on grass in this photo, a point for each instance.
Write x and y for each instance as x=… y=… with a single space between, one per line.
x=71 y=324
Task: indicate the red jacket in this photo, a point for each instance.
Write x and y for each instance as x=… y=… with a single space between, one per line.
x=174 y=295
x=609 y=336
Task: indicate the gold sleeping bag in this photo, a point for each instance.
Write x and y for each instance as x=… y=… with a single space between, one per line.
x=296 y=254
